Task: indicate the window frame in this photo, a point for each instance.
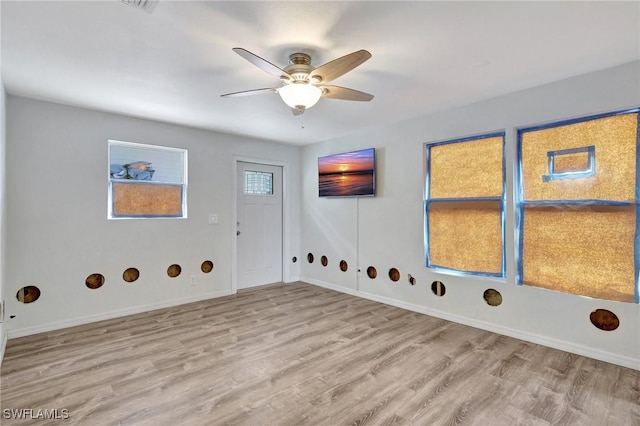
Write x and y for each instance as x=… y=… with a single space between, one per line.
x=590 y=171
x=183 y=184
x=428 y=200
x=520 y=203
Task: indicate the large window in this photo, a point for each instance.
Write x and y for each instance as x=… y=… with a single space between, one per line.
x=577 y=206
x=464 y=205
x=146 y=181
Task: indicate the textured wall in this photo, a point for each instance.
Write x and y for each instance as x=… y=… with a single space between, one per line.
x=57 y=213
x=387 y=231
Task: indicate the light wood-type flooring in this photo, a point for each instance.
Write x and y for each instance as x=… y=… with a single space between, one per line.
x=298 y=354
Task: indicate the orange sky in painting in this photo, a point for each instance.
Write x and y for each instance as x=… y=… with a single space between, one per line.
x=357 y=161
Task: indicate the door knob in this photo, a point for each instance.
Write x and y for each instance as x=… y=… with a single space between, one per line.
x=237 y=232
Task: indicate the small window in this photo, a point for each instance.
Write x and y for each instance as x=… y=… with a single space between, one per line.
x=146 y=181
x=258 y=183
x=572 y=163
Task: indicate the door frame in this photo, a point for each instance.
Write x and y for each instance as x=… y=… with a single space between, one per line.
x=234 y=216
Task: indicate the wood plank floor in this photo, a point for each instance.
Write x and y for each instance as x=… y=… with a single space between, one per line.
x=298 y=354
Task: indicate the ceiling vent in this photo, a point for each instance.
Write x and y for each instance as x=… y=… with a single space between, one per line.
x=146 y=5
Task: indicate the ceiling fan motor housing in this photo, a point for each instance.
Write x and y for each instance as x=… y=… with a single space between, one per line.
x=300 y=67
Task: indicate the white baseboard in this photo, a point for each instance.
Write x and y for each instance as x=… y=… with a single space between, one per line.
x=3 y=345
x=113 y=314
x=589 y=352
x=292 y=279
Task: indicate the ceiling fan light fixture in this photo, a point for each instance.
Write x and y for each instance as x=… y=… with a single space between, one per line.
x=300 y=95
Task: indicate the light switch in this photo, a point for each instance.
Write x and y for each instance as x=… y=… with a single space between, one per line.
x=213 y=219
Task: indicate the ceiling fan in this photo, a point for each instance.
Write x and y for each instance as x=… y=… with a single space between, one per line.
x=302 y=84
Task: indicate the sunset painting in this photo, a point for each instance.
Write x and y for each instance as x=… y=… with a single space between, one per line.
x=347 y=174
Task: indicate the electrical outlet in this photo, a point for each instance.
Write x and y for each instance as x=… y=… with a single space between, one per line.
x=194 y=280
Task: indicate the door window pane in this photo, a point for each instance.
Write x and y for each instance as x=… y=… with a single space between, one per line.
x=258 y=183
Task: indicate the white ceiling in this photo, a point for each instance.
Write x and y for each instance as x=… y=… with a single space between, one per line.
x=173 y=63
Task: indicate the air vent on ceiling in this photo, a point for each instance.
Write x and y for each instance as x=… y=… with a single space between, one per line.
x=146 y=5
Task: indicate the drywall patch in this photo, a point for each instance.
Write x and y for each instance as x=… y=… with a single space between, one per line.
x=207 y=266
x=130 y=275
x=604 y=319
x=174 y=270
x=28 y=294
x=492 y=297
x=372 y=272
x=394 y=274
x=94 y=281
x=438 y=288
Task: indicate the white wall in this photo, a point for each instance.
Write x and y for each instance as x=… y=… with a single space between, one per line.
x=57 y=212
x=3 y=218
x=3 y=205
x=387 y=231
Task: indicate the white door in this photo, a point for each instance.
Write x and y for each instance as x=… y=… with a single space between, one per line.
x=259 y=224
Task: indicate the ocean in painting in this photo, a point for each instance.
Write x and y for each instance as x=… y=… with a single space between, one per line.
x=347 y=174
x=346 y=184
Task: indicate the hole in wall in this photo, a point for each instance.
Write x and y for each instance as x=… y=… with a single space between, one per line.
x=174 y=270
x=344 y=265
x=324 y=260
x=394 y=274
x=492 y=297
x=438 y=288
x=294 y=259
x=310 y=257
x=604 y=319
x=94 y=281
x=412 y=280
x=372 y=272
x=207 y=266
x=130 y=275
x=28 y=294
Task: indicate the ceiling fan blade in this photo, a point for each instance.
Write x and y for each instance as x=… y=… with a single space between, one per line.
x=249 y=93
x=337 y=92
x=337 y=67
x=263 y=64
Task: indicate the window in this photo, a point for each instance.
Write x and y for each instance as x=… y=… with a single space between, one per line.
x=258 y=183
x=571 y=163
x=146 y=181
x=577 y=206
x=464 y=205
